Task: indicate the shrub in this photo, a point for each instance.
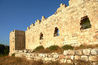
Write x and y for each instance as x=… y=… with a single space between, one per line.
x=4 y=50
x=13 y=54
x=67 y=47
x=39 y=48
x=54 y=47
x=82 y=46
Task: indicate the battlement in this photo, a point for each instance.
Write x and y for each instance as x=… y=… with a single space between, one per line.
x=72 y=4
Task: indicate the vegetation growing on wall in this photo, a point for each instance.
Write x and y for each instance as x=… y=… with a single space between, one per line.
x=55 y=48
x=39 y=48
x=67 y=47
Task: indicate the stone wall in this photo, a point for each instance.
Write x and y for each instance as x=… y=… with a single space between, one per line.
x=61 y=28
x=68 y=56
x=67 y=20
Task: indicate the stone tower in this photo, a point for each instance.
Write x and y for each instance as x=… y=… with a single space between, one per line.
x=17 y=41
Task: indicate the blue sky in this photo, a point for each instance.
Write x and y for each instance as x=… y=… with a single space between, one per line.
x=19 y=14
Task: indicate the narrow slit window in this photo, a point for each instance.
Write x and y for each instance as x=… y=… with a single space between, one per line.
x=56 y=32
x=41 y=36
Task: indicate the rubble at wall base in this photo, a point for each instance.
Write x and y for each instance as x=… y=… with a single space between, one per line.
x=68 y=56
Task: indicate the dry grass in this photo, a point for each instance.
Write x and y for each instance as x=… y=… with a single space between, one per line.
x=22 y=61
x=86 y=47
x=81 y=62
x=13 y=61
x=59 y=50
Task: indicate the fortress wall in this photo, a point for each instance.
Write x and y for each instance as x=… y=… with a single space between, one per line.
x=67 y=20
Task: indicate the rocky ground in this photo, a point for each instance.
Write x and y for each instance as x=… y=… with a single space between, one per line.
x=22 y=61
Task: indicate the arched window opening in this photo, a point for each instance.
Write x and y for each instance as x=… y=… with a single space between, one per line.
x=56 y=32
x=41 y=36
x=85 y=23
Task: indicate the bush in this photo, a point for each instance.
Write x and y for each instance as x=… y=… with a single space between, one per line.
x=67 y=47
x=13 y=54
x=4 y=50
x=39 y=48
x=54 y=47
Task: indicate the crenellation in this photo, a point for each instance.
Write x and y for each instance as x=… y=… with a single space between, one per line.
x=43 y=18
x=37 y=22
x=28 y=28
x=63 y=5
x=32 y=25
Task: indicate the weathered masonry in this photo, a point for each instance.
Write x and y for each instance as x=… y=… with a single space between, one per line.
x=19 y=38
x=68 y=56
x=75 y=24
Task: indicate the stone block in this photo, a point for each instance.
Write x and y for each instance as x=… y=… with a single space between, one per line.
x=95 y=63
x=25 y=51
x=94 y=51
x=84 y=58
x=62 y=56
x=71 y=52
x=72 y=57
x=86 y=51
x=63 y=61
x=77 y=57
x=78 y=52
x=18 y=55
x=46 y=59
x=65 y=52
x=53 y=59
x=69 y=61
x=20 y=51
x=55 y=56
x=93 y=58
x=68 y=57
x=16 y=51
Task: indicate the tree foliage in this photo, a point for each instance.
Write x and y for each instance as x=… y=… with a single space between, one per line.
x=4 y=50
